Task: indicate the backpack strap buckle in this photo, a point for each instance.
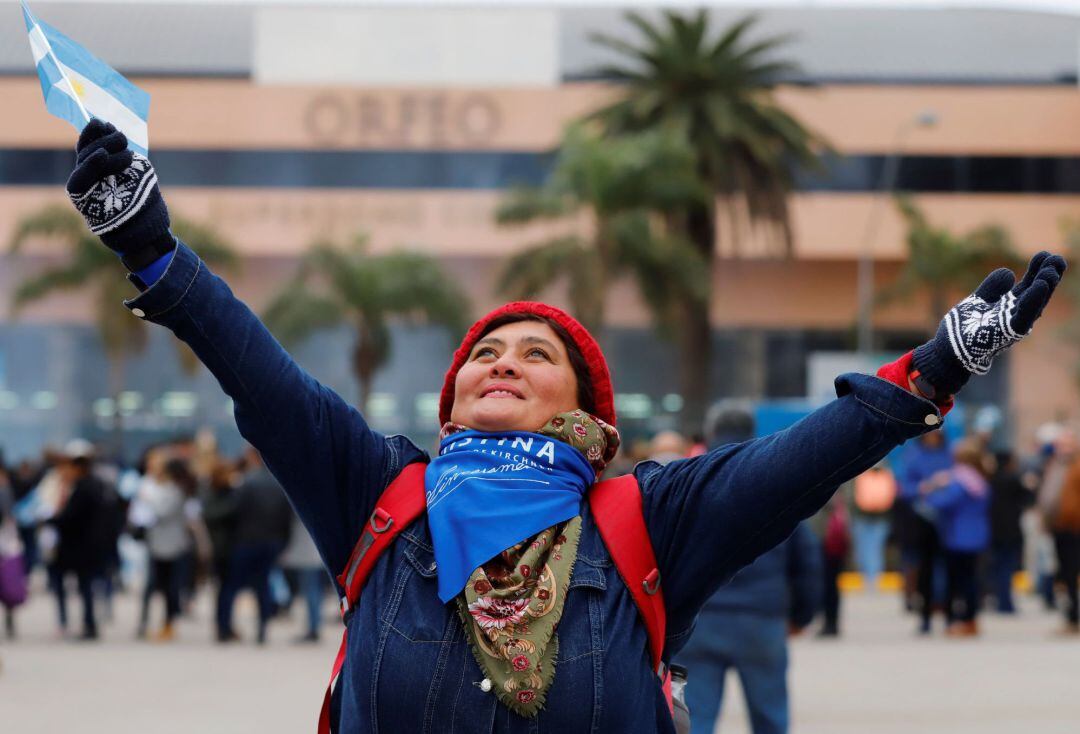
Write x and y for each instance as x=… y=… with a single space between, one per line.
x=651 y=583
x=381 y=520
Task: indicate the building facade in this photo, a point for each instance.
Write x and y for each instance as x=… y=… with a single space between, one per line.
x=284 y=125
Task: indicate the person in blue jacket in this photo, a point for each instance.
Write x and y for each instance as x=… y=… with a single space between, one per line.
x=916 y=524
x=500 y=610
x=745 y=625
x=961 y=497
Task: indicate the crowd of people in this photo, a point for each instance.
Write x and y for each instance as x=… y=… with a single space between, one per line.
x=184 y=517
x=956 y=519
x=967 y=518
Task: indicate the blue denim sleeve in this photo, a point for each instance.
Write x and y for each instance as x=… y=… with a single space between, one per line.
x=332 y=465
x=713 y=514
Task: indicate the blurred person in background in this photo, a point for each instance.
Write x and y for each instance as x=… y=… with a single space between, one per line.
x=874 y=494
x=697 y=447
x=1039 y=556
x=667 y=446
x=1064 y=523
x=44 y=502
x=1009 y=498
x=835 y=546
x=263 y=524
x=168 y=537
x=141 y=517
x=13 y=574
x=707 y=517
x=961 y=498
x=745 y=625
x=187 y=448
x=916 y=524
x=85 y=529
x=24 y=478
x=1063 y=454
x=219 y=515
x=304 y=569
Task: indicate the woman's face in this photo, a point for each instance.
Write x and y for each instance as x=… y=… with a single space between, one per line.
x=516 y=378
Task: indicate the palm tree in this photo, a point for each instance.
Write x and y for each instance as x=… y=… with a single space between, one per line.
x=718 y=94
x=622 y=187
x=365 y=291
x=93 y=266
x=945 y=265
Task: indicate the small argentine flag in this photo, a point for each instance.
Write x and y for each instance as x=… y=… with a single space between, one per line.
x=77 y=85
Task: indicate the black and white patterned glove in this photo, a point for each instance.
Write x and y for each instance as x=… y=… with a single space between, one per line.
x=116 y=191
x=994 y=317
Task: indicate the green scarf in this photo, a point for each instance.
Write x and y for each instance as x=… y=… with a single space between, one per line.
x=511 y=605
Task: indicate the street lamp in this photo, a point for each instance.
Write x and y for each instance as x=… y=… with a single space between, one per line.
x=889 y=172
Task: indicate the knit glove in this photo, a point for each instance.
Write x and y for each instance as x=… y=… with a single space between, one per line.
x=116 y=191
x=985 y=323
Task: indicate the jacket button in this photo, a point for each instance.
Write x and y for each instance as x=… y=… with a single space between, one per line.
x=485 y=685
x=139 y=312
x=931 y=420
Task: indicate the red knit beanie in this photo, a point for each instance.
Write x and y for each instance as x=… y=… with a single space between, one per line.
x=590 y=350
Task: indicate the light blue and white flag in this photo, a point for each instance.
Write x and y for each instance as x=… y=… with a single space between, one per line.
x=77 y=85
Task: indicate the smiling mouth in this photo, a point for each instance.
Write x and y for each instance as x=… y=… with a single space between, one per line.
x=501 y=393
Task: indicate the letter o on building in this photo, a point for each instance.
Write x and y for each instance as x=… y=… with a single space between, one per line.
x=326 y=119
x=478 y=118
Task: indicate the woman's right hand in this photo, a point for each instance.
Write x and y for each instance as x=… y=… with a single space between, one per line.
x=116 y=191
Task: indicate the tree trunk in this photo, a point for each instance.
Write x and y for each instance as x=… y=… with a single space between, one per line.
x=695 y=351
x=364 y=361
x=595 y=296
x=363 y=377
x=695 y=331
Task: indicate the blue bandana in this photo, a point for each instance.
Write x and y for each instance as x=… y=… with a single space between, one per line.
x=488 y=491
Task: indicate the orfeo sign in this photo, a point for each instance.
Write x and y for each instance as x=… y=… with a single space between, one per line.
x=338 y=119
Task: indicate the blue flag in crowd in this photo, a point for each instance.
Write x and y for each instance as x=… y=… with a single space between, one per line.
x=77 y=85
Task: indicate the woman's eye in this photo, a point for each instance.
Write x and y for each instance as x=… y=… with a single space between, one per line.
x=538 y=350
x=483 y=352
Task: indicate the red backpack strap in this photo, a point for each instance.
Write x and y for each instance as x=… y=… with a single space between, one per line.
x=617 y=510
x=400 y=504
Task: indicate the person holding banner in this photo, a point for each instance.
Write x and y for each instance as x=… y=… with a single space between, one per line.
x=501 y=608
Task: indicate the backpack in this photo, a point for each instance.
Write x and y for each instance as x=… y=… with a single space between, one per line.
x=616 y=508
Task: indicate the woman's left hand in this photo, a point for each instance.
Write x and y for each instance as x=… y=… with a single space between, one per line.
x=993 y=318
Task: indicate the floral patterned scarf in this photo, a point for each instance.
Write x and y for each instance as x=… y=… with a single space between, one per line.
x=511 y=605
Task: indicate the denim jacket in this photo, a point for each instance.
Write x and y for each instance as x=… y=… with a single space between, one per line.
x=409 y=668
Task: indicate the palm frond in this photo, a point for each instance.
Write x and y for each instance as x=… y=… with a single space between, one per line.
x=526 y=274
x=296 y=313
x=528 y=203
x=416 y=286
x=52 y=221
x=205 y=240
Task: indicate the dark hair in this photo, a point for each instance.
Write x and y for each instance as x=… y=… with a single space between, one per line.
x=178 y=471
x=586 y=399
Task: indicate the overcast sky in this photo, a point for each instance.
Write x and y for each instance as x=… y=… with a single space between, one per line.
x=1070 y=7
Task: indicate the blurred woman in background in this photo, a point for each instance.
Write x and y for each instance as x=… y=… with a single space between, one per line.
x=167 y=487
x=961 y=496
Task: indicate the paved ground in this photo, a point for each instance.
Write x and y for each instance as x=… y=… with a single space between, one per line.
x=879 y=678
